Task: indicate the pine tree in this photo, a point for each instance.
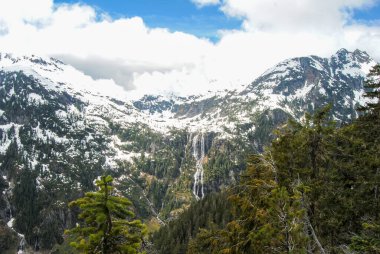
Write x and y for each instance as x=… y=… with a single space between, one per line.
x=372 y=86
x=106 y=226
x=368 y=129
x=267 y=217
x=25 y=197
x=369 y=241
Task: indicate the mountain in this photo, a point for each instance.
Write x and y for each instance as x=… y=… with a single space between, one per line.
x=59 y=131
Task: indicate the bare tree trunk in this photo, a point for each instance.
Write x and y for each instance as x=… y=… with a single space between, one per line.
x=310 y=226
x=314 y=235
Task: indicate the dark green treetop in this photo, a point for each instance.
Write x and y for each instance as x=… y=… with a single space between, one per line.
x=372 y=86
x=107 y=225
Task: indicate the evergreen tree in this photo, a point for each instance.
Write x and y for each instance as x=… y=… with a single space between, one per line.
x=302 y=153
x=367 y=128
x=372 y=86
x=369 y=240
x=267 y=217
x=25 y=197
x=106 y=226
x=213 y=209
x=316 y=190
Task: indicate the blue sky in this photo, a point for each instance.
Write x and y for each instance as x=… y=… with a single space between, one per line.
x=368 y=14
x=176 y=15
x=185 y=16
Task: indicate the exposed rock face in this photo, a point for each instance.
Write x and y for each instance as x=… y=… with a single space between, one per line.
x=57 y=134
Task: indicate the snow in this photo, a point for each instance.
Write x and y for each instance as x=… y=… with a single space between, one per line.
x=11 y=92
x=4 y=144
x=283 y=68
x=97 y=94
x=100 y=110
x=365 y=68
x=46 y=135
x=59 y=77
x=317 y=65
x=36 y=98
x=323 y=91
x=61 y=114
x=303 y=92
x=356 y=69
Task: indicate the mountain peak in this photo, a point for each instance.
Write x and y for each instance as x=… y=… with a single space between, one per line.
x=357 y=55
x=361 y=56
x=342 y=51
x=9 y=59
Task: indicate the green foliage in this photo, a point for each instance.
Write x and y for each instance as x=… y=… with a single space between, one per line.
x=372 y=86
x=8 y=238
x=25 y=202
x=369 y=240
x=213 y=210
x=105 y=226
x=11 y=160
x=366 y=239
x=267 y=218
x=315 y=190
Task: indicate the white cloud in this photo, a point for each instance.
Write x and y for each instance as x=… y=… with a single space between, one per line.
x=17 y=11
x=148 y=60
x=202 y=3
x=294 y=15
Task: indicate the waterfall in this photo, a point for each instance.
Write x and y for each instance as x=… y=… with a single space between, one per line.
x=21 y=245
x=198 y=190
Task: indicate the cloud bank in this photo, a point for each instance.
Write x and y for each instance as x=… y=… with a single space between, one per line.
x=155 y=60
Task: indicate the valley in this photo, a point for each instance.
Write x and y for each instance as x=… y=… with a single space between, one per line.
x=59 y=132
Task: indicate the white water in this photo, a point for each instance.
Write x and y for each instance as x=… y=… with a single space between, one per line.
x=21 y=246
x=198 y=190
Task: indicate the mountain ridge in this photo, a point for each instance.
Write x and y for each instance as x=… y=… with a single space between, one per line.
x=57 y=134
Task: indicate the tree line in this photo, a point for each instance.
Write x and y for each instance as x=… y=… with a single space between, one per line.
x=314 y=190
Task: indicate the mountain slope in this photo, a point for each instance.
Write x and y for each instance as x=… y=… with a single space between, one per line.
x=59 y=130
x=293 y=85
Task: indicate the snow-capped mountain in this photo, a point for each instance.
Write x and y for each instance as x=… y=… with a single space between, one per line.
x=294 y=86
x=59 y=130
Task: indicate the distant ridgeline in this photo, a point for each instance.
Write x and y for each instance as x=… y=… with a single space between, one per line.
x=314 y=190
x=58 y=133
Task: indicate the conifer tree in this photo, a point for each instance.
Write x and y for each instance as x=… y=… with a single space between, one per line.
x=368 y=129
x=25 y=202
x=268 y=217
x=106 y=225
x=372 y=86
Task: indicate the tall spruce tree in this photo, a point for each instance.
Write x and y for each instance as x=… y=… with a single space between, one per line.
x=372 y=86
x=268 y=217
x=25 y=197
x=105 y=222
x=368 y=129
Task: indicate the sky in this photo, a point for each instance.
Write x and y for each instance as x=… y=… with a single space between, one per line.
x=176 y=15
x=185 y=47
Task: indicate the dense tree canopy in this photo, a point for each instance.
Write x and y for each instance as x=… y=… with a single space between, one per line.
x=314 y=190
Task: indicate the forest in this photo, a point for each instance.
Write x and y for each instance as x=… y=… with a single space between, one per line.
x=315 y=189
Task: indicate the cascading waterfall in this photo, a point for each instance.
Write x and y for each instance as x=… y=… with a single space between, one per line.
x=21 y=245
x=198 y=190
